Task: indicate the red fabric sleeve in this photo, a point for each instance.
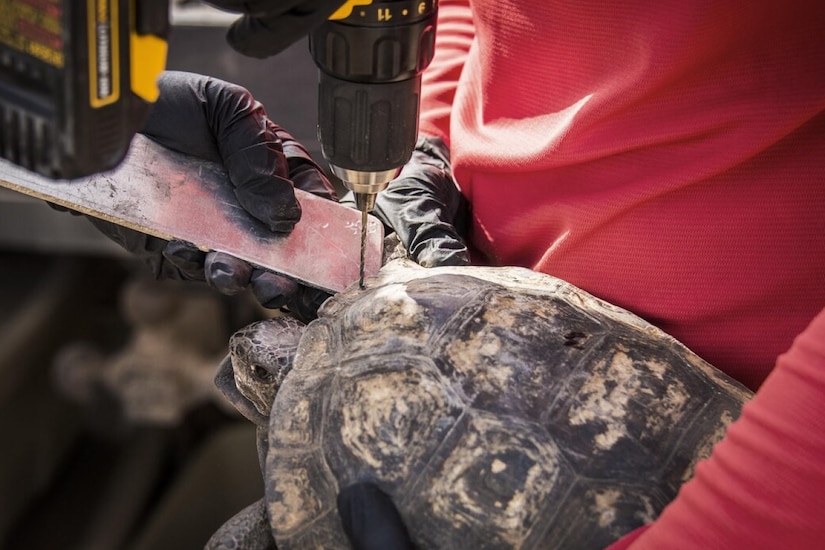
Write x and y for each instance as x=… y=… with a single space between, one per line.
x=764 y=485
x=454 y=36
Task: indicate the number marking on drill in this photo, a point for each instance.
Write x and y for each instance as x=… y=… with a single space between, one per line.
x=384 y=14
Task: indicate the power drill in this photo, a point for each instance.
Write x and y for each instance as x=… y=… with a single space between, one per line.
x=371 y=54
x=77 y=80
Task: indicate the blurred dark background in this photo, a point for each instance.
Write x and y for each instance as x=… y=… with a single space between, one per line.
x=113 y=435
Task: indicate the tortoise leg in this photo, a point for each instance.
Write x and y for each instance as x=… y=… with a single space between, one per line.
x=246 y=530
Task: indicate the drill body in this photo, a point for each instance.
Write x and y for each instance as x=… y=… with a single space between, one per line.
x=77 y=80
x=371 y=54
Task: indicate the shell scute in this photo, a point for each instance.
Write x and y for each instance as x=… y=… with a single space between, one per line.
x=319 y=347
x=387 y=418
x=299 y=489
x=515 y=352
x=604 y=416
x=495 y=477
x=297 y=417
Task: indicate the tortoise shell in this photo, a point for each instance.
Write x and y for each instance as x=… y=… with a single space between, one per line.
x=498 y=407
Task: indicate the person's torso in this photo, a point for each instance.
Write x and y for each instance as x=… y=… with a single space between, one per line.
x=669 y=158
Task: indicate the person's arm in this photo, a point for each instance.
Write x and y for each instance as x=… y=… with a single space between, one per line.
x=454 y=36
x=764 y=484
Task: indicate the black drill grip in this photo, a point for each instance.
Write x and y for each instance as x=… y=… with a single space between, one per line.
x=368 y=127
x=370 y=82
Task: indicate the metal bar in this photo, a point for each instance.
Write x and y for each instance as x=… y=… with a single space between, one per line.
x=174 y=196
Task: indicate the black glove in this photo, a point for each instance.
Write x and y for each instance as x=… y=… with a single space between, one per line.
x=425 y=208
x=370 y=519
x=269 y=26
x=221 y=122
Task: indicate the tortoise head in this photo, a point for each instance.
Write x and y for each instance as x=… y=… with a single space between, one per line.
x=260 y=357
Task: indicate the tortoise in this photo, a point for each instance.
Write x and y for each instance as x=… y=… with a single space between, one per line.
x=497 y=407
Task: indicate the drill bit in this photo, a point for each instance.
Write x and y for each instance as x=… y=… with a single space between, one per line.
x=363 y=247
x=365 y=202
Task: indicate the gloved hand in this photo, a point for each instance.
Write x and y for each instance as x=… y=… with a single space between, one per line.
x=370 y=519
x=269 y=26
x=221 y=122
x=425 y=208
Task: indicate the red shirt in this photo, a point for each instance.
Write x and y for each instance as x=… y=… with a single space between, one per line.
x=666 y=156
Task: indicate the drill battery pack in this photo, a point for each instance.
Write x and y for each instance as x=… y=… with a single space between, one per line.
x=77 y=80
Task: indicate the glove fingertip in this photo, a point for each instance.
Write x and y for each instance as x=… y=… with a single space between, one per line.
x=243 y=37
x=227 y=274
x=434 y=247
x=441 y=258
x=252 y=37
x=187 y=260
x=271 y=290
x=370 y=519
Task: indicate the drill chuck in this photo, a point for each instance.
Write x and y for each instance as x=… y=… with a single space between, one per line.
x=371 y=54
x=365 y=185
